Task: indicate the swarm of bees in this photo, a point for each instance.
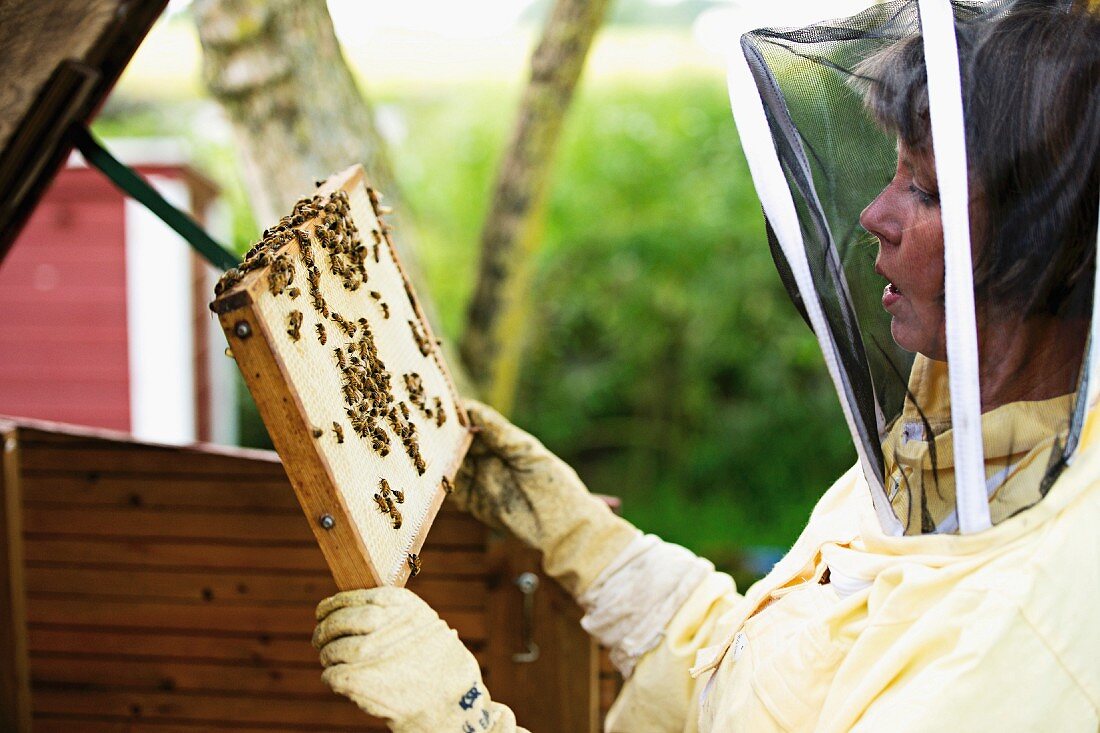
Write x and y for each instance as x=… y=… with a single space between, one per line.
x=330 y=246
x=422 y=341
x=387 y=500
x=414 y=385
x=265 y=252
x=294 y=329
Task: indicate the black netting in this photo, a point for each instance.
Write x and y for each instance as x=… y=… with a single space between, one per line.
x=846 y=104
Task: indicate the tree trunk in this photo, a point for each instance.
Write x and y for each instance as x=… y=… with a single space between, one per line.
x=276 y=68
x=492 y=344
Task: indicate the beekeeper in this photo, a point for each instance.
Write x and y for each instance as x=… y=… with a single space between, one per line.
x=930 y=175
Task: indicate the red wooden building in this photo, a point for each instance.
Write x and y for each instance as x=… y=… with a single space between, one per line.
x=105 y=321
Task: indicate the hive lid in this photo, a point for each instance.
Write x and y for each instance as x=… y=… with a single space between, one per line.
x=61 y=58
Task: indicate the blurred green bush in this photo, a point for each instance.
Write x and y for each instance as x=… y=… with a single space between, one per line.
x=664 y=360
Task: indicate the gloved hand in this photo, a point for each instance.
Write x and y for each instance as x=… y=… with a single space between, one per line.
x=389 y=652
x=510 y=481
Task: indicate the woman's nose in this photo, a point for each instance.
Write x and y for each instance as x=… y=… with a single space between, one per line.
x=881 y=218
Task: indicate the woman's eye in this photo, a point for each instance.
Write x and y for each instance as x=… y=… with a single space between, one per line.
x=926 y=199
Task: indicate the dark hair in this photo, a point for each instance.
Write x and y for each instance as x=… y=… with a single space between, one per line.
x=1030 y=74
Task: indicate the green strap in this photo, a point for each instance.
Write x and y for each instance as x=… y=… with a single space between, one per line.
x=139 y=189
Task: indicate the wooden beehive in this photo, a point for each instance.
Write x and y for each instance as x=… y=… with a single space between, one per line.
x=348 y=378
x=148 y=588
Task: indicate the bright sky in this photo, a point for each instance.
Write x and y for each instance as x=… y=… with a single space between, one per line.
x=487 y=18
x=398 y=43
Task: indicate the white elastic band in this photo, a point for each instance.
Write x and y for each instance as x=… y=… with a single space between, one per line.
x=775 y=196
x=629 y=606
x=1093 y=387
x=945 y=109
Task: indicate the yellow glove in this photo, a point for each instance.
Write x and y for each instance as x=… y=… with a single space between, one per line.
x=510 y=480
x=389 y=652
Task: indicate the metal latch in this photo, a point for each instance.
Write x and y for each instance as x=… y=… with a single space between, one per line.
x=528 y=583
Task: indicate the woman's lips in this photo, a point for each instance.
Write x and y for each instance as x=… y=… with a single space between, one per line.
x=890 y=295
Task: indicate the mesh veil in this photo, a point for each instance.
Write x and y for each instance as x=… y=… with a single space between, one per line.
x=846 y=167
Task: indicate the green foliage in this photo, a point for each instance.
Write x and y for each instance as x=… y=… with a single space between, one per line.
x=664 y=360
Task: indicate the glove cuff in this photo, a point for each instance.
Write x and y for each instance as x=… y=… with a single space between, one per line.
x=586 y=545
x=631 y=603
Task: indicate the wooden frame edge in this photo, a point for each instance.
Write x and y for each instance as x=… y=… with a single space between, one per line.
x=15 y=686
x=340 y=542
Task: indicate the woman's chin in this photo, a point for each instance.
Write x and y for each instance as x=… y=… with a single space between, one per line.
x=918 y=341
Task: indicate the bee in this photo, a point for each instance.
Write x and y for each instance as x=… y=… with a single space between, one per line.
x=231 y=277
x=418 y=461
x=385 y=311
x=404 y=409
x=414 y=564
x=339 y=432
x=396 y=514
x=293 y=292
x=322 y=335
x=448 y=487
x=350 y=393
x=421 y=339
x=376 y=295
x=380 y=501
x=399 y=496
x=341 y=360
x=317 y=432
x=384 y=487
x=295 y=325
x=440 y=414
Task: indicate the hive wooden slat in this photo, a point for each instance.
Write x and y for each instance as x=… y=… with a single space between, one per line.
x=267 y=618
x=172 y=676
x=113 y=461
x=200 y=708
x=59 y=723
x=175 y=649
x=244 y=587
x=439 y=559
x=269 y=495
x=230 y=527
x=244 y=648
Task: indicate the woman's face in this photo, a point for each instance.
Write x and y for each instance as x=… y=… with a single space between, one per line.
x=905 y=218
